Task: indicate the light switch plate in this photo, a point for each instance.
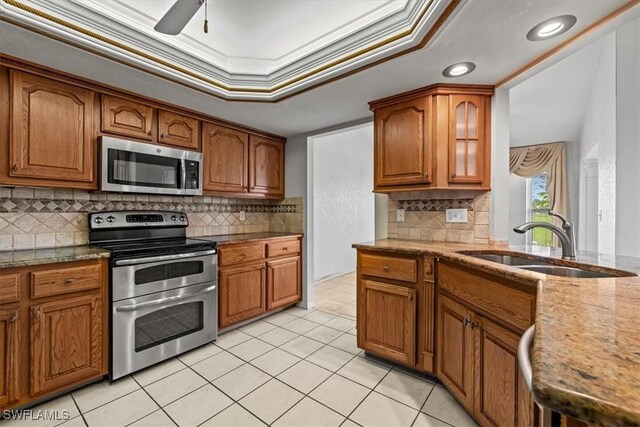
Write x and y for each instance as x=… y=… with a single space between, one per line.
x=242 y=216
x=400 y=216
x=457 y=215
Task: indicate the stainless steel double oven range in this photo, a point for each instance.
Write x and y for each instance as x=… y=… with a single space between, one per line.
x=163 y=287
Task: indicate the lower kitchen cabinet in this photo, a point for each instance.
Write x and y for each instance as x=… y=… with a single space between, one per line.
x=388 y=323
x=242 y=293
x=258 y=277
x=283 y=282
x=66 y=342
x=9 y=355
x=55 y=340
x=455 y=350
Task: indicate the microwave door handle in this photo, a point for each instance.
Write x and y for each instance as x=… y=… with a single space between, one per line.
x=184 y=175
x=134 y=307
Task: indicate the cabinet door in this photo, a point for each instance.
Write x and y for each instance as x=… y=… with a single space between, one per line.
x=466 y=139
x=127 y=118
x=242 y=293
x=283 y=282
x=52 y=132
x=501 y=396
x=266 y=166
x=8 y=356
x=402 y=144
x=178 y=130
x=66 y=342
x=226 y=159
x=455 y=349
x=387 y=321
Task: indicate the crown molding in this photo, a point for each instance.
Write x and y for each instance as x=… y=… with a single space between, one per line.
x=74 y=22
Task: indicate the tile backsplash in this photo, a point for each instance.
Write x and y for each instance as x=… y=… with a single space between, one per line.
x=425 y=216
x=40 y=218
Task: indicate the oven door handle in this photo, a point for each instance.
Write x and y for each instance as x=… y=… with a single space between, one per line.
x=164 y=257
x=134 y=307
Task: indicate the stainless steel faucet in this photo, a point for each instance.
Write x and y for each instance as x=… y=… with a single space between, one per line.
x=565 y=234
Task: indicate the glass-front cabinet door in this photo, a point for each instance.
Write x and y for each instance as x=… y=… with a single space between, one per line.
x=467 y=139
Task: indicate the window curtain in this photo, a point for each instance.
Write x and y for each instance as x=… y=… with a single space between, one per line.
x=550 y=158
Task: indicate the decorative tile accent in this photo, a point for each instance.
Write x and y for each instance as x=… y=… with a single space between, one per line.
x=43 y=218
x=425 y=216
x=435 y=205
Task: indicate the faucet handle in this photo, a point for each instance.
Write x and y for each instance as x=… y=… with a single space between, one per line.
x=565 y=221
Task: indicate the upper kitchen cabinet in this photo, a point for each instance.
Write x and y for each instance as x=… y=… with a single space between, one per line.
x=433 y=138
x=178 y=130
x=126 y=118
x=242 y=165
x=226 y=160
x=403 y=145
x=51 y=133
x=266 y=166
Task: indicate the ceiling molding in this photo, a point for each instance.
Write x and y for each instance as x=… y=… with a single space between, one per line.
x=392 y=35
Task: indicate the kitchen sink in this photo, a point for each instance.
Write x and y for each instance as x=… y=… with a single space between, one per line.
x=545 y=267
x=508 y=259
x=560 y=270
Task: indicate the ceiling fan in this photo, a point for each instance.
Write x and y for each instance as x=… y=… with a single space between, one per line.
x=179 y=15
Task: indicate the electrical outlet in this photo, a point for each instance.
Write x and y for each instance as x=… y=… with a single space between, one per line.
x=400 y=216
x=457 y=215
x=242 y=216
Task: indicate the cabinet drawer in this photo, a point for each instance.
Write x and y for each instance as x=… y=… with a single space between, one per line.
x=503 y=302
x=9 y=288
x=240 y=254
x=64 y=280
x=289 y=247
x=405 y=269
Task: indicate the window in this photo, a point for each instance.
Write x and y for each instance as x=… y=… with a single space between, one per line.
x=538 y=206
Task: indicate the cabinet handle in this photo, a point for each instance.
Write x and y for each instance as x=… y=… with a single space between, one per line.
x=149 y=133
x=14 y=318
x=453 y=175
x=69 y=281
x=37 y=315
x=410 y=297
x=466 y=321
x=385 y=268
x=15 y=167
x=474 y=325
x=285 y=249
x=162 y=136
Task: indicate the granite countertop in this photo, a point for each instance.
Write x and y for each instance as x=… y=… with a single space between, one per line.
x=223 y=239
x=586 y=350
x=24 y=258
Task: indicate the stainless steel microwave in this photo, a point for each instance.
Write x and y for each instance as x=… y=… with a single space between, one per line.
x=136 y=167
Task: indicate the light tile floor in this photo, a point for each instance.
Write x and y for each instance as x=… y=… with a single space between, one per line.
x=337 y=295
x=296 y=368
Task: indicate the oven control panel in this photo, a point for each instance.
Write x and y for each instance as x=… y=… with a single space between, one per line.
x=107 y=220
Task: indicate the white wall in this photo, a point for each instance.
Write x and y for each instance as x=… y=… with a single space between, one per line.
x=628 y=140
x=598 y=134
x=517 y=208
x=500 y=203
x=343 y=204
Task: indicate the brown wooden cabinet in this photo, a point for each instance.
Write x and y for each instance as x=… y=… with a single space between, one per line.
x=478 y=345
x=53 y=338
x=51 y=139
x=226 y=160
x=283 y=282
x=388 y=326
x=66 y=342
x=455 y=350
x=266 y=166
x=403 y=144
x=8 y=356
x=258 y=277
x=242 y=293
x=395 y=317
x=127 y=118
x=178 y=130
x=433 y=138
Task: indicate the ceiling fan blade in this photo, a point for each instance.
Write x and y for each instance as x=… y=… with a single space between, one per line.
x=178 y=16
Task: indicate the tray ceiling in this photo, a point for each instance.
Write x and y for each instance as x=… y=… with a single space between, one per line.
x=255 y=50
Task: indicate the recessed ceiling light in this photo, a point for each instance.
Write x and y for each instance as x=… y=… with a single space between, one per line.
x=459 y=69
x=551 y=28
